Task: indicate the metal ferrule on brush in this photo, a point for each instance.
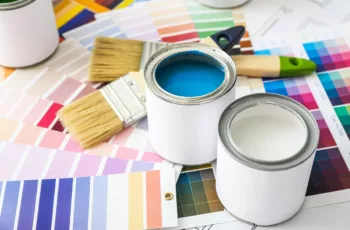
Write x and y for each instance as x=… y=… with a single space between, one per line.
x=126 y=99
x=149 y=48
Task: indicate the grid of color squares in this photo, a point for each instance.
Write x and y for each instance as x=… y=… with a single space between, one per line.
x=128 y=201
x=24 y=162
x=296 y=88
x=329 y=173
x=343 y=112
x=197 y=193
x=329 y=54
x=337 y=86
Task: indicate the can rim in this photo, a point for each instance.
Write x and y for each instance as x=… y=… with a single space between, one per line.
x=215 y=54
x=15 y=5
x=268 y=98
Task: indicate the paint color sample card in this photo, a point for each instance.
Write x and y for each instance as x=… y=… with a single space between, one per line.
x=326 y=94
x=197 y=194
x=131 y=201
x=180 y=21
x=71 y=14
x=25 y=162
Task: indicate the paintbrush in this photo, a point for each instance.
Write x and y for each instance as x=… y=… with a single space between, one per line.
x=97 y=117
x=100 y=115
x=112 y=58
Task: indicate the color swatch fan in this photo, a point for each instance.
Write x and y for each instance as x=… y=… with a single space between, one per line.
x=144 y=200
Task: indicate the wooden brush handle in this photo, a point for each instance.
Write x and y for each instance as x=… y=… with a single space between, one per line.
x=257 y=66
x=252 y=65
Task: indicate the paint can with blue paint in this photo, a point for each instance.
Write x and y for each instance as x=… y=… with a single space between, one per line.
x=188 y=87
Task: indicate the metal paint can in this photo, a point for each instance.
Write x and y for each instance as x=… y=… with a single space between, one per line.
x=184 y=129
x=223 y=3
x=266 y=148
x=28 y=32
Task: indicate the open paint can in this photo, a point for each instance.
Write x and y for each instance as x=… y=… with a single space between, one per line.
x=223 y=3
x=266 y=149
x=28 y=32
x=188 y=87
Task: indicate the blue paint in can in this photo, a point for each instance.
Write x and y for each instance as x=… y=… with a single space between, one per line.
x=189 y=74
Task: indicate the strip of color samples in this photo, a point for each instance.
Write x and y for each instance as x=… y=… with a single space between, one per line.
x=25 y=162
x=71 y=14
x=130 y=201
x=329 y=54
x=326 y=138
x=197 y=194
x=343 y=112
x=127 y=145
x=337 y=86
x=135 y=21
x=87 y=33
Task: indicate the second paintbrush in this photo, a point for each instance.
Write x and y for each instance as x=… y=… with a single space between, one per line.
x=112 y=58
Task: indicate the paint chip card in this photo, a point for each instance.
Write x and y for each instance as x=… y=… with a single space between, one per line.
x=135 y=201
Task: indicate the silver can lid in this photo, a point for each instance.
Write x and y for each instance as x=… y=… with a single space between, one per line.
x=211 y=55
x=15 y=4
x=290 y=106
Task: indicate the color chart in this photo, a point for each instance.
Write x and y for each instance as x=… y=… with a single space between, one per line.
x=330 y=172
x=71 y=14
x=179 y=22
x=129 y=201
x=86 y=34
x=197 y=194
x=343 y=113
x=136 y=22
x=329 y=54
x=337 y=86
x=296 y=88
x=24 y=162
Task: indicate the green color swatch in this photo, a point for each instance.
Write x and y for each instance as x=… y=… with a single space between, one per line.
x=343 y=113
x=196 y=194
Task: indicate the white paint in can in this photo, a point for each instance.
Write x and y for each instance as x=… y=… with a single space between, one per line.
x=257 y=181
x=184 y=129
x=251 y=129
x=28 y=32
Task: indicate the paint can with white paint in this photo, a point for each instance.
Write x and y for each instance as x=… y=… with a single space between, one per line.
x=185 y=101
x=28 y=33
x=266 y=148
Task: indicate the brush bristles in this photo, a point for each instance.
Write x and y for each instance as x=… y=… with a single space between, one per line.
x=90 y=120
x=112 y=58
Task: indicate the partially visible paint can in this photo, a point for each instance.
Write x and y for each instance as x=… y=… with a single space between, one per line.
x=186 y=95
x=223 y=3
x=266 y=149
x=28 y=32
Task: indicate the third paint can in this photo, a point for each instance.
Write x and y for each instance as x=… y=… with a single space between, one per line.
x=188 y=87
x=266 y=149
x=28 y=33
